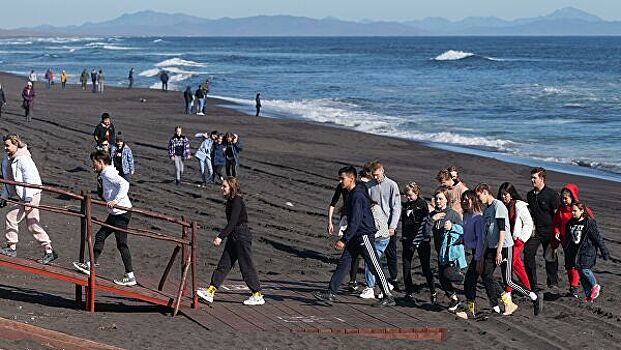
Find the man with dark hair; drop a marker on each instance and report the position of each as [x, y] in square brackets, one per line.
[386, 193]
[542, 203]
[115, 190]
[358, 238]
[105, 130]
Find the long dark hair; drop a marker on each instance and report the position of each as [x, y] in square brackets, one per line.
[585, 210]
[474, 200]
[235, 187]
[507, 187]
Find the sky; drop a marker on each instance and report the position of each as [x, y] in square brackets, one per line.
[14, 14]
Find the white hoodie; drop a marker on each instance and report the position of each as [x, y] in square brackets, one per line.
[20, 168]
[115, 188]
[523, 227]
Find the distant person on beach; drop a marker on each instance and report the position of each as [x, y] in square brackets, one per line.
[358, 239]
[521, 225]
[17, 165]
[233, 147]
[28, 99]
[130, 77]
[2, 99]
[122, 157]
[164, 79]
[105, 130]
[178, 151]
[32, 77]
[583, 241]
[203, 155]
[386, 193]
[63, 79]
[499, 253]
[569, 195]
[115, 190]
[94, 80]
[414, 239]
[238, 246]
[188, 97]
[200, 100]
[219, 159]
[84, 79]
[257, 102]
[542, 203]
[205, 88]
[49, 77]
[100, 81]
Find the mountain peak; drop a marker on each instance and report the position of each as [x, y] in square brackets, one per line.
[573, 13]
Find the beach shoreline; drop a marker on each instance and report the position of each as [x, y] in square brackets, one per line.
[288, 173]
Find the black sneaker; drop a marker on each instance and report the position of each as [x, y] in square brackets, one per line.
[351, 287]
[395, 285]
[433, 298]
[409, 299]
[573, 292]
[538, 304]
[325, 296]
[453, 305]
[48, 258]
[387, 301]
[11, 253]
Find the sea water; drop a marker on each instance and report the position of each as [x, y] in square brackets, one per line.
[552, 101]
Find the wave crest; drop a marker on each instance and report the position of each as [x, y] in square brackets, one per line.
[179, 62]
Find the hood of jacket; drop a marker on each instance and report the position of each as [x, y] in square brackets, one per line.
[21, 152]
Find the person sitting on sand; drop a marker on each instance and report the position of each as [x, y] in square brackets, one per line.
[17, 165]
[178, 151]
[238, 246]
[115, 190]
[104, 130]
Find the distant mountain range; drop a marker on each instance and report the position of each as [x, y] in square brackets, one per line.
[566, 21]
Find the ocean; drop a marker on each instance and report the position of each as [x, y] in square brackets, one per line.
[550, 101]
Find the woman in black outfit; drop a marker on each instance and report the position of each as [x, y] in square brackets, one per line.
[238, 246]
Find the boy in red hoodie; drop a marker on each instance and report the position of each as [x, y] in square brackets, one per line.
[569, 195]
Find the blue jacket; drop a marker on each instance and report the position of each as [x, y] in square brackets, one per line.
[360, 220]
[456, 253]
[127, 158]
[204, 150]
[218, 157]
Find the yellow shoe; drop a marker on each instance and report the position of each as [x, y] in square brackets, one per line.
[510, 308]
[207, 294]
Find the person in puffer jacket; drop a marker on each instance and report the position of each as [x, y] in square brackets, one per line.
[569, 196]
[521, 224]
[583, 240]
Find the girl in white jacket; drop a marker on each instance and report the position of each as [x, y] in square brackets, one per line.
[17, 165]
[521, 225]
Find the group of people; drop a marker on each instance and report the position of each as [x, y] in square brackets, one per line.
[196, 101]
[493, 227]
[97, 79]
[217, 155]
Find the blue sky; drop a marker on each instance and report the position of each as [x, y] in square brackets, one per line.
[65, 12]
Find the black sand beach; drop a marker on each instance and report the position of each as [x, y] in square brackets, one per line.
[283, 161]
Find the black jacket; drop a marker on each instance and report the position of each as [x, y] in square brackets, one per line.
[100, 133]
[542, 206]
[583, 240]
[413, 213]
[360, 220]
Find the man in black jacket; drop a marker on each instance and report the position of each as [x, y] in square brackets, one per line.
[105, 130]
[358, 238]
[542, 203]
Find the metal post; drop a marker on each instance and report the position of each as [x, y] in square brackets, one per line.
[78, 288]
[184, 250]
[89, 235]
[195, 304]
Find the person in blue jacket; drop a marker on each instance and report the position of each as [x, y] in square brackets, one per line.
[358, 239]
[203, 155]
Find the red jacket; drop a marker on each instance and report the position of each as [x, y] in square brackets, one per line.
[563, 215]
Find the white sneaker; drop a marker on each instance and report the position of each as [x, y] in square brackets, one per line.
[85, 267]
[255, 299]
[367, 293]
[126, 281]
[205, 294]
[200, 113]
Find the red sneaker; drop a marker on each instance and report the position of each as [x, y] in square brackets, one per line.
[595, 291]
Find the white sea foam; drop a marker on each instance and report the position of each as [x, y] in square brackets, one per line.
[453, 55]
[107, 46]
[173, 70]
[179, 62]
[157, 41]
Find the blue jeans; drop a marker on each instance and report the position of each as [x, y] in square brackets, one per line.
[201, 104]
[587, 279]
[206, 170]
[380, 247]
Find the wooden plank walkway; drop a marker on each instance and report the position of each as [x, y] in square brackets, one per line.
[290, 307]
